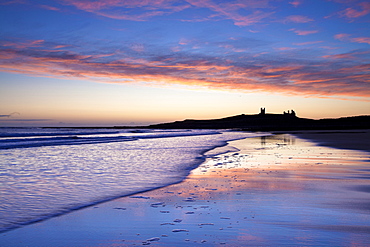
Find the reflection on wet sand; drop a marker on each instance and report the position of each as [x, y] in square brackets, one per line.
[281, 184]
[277, 190]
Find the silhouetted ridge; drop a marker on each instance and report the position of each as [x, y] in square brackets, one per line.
[267, 121]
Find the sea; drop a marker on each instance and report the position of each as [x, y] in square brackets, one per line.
[47, 172]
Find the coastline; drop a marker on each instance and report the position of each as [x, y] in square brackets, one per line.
[277, 190]
[76, 176]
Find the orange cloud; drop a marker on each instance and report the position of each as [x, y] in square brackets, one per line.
[275, 74]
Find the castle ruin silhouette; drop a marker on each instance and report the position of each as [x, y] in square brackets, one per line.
[288, 113]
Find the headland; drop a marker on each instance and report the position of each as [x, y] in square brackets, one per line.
[267, 122]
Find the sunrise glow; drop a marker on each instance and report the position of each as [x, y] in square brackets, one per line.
[116, 62]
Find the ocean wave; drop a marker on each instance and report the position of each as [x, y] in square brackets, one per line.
[32, 132]
[61, 175]
[39, 139]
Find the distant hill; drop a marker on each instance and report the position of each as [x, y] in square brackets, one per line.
[266, 122]
[269, 122]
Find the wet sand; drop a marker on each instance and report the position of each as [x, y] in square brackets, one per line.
[276, 191]
[344, 139]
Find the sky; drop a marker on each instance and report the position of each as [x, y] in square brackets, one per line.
[138, 62]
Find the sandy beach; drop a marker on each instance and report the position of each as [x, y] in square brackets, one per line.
[277, 190]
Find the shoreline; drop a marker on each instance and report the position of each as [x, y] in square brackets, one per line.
[172, 173]
[277, 190]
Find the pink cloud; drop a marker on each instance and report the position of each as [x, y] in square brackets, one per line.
[297, 19]
[184, 41]
[353, 56]
[303, 32]
[285, 48]
[361, 40]
[13, 2]
[135, 10]
[347, 37]
[24, 44]
[232, 48]
[296, 3]
[339, 56]
[49, 8]
[344, 1]
[342, 36]
[354, 13]
[329, 47]
[136, 17]
[107, 4]
[60, 46]
[230, 10]
[309, 43]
